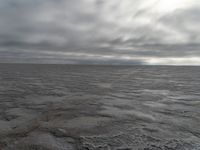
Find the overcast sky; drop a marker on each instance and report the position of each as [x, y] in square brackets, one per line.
[165, 32]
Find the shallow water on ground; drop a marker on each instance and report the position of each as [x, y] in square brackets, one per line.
[66, 107]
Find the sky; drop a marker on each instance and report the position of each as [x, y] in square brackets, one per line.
[149, 32]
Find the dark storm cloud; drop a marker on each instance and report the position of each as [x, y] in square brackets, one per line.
[99, 31]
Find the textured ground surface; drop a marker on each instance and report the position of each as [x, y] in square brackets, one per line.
[60, 107]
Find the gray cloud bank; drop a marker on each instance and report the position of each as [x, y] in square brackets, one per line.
[100, 31]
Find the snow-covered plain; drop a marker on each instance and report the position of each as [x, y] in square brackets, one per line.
[69, 107]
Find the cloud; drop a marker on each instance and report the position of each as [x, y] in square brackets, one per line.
[99, 31]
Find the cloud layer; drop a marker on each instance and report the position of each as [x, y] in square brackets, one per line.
[100, 31]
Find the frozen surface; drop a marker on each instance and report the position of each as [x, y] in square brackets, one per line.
[63, 107]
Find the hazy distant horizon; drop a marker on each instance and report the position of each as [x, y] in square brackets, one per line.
[98, 64]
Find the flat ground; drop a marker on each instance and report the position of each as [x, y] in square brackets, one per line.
[63, 107]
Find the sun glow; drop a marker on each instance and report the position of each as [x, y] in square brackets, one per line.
[170, 5]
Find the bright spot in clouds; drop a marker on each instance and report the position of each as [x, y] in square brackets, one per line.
[170, 5]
